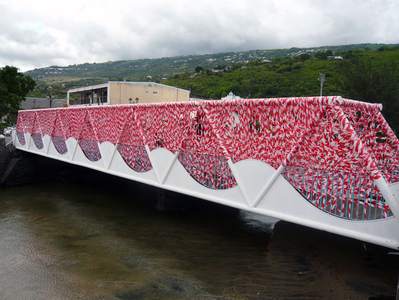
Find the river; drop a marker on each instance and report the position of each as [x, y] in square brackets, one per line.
[107, 239]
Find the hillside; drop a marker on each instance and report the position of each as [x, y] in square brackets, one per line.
[368, 75]
[279, 78]
[164, 68]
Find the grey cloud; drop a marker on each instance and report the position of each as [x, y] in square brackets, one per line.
[48, 32]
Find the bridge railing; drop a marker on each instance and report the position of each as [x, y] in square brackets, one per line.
[333, 151]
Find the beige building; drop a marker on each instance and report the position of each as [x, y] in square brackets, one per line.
[125, 92]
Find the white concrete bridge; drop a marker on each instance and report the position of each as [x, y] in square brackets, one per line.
[327, 163]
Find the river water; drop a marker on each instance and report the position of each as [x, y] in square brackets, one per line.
[65, 239]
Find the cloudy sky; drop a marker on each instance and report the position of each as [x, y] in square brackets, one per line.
[50, 32]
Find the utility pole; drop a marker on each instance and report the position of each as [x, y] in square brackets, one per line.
[322, 79]
[50, 97]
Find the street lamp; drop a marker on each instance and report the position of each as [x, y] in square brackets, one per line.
[322, 79]
[50, 97]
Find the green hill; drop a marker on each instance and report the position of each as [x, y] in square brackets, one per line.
[367, 72]
[368, 75]
[165, 68]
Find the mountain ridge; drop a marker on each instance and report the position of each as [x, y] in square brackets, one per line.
[165, 67]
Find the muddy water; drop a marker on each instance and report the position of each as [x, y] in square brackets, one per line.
[63, 240]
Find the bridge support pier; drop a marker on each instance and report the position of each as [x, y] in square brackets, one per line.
[170, 201]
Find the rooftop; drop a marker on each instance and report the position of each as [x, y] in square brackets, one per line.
[103, 85]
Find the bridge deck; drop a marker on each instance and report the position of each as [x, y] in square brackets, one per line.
[324, 162]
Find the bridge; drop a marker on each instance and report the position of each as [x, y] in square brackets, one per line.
[324, 162]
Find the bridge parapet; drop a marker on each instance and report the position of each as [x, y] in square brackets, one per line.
[338, 155]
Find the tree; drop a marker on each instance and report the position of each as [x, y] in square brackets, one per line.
[199, 69]
[14, 86]
[304, 57]
[368, 80]
[323, 54]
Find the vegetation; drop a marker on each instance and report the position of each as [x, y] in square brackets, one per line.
[14, 86]
[368, 75]
[367, 72]
[62, 78]
[374, 77]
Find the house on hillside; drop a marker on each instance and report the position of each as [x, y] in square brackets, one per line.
[126, 92]
[333, 57]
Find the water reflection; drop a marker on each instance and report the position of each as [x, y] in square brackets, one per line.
[68, 241]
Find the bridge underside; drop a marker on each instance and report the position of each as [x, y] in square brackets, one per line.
[326, 163]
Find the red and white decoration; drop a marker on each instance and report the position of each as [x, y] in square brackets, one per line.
[331, 150]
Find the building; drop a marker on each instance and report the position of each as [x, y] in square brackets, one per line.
[125, 92]
[332, 57]
[38, 103]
